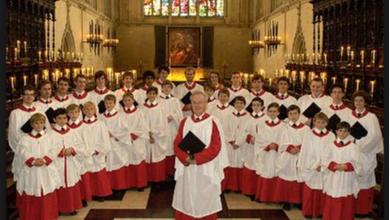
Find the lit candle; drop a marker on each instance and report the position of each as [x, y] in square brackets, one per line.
[25, 46]
[303, 57]
[334, 79]
[362, 56]
[24, 80]
[325, 58]
[373, 52]
[16, 54]
[312, 75]
[352, 56]
[57, 75]
[12, 82]
[313, 58]
[341, 53]
[246, 75]
[324, 77]
[18, 44]
[198, 62]
[63, 55]
[45, 54]
[345, 83]
[36, 79]
[72, 55]
[39, 55]
[372, 83]
[270, 82]
[302, 76]
[348, 50]
[82, 56]
[293, 75]
[67, 73]
[298, 60]
[357, 84]
[117, 78]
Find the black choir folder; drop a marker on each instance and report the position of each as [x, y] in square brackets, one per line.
[358, 131]
[102, 107]
[283, 112]
[186, 99]
[312, 110]
[27, 128]
[191, 144]
[333, 121]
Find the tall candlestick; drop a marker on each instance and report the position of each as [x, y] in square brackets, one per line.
[324, 78]
[357, 84]
[16, 54]
[345, 84]
[362, 56]
[313, 58]
[117, 78]
[270, 82]
[45, 55]
[352, 56]
[372, 83]
[24, 80]
[25, 47]
[18, 44]
[36, 79]
[72, 55]
[39, 55]
[341, 53]
[373, 52]
[325, 58]
[12, 82]
[67, 73]
[302, 76]
[334, 79]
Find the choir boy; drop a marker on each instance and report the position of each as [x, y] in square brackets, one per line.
[157, 145]
[134, 119]
[163, 72]
[97, 95]
[258, 91]
[341, 163]
[19, 124]
[249, 177]
[283, 98]
[336, 111]
[221, 108]
[183, 91]
[128, 87]
[148, 78]
[313, 103]
[171, 107]
[39, 177]
[44, 103]
[309, 165]
[120, 139]
[79, 96]
[266, 152]
[367, 135]
[209, 89]
[236, 88]
[68, 164]
[62, 99]
[289, 182]
[235, 125]
[74, 113]
[96, 137]
[215, 80]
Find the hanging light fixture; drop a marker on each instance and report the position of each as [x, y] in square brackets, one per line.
[94, 38]
[111, 42]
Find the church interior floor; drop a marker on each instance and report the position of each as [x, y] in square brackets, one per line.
[155, 204]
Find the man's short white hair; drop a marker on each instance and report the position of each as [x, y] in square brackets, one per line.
[199, 93]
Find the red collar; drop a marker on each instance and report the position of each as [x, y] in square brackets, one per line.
[75, 95]
[322, 95]
[50, 101]
[86, 122]
[56, 97]
[125, 90]
[273, 125]
[190, 87]
[363, 114]
[145, 87]
[129, 111]
[260, 116]
[211, 99]
[339, 145]
[238, 89]
[31, 135]
[158, 81]
[341, 107]
[319, 134]
[61, 132]
[222, 108]
[74, 126]
[149, 106]
[239, 115]
[260, 94]
[205, 116]
[301, 125]
[280, 98]
[109, 116]
[27, 110]
[101, 93]
[218, 87]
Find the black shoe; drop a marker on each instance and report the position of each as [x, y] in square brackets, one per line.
[287, 206]
[73, 213]
[85, 203]
[308, 217]
[99, 199]
[360, 216]
[298, 206]
[227, 191]
[141, 189]
[61, 214]
[252, 197]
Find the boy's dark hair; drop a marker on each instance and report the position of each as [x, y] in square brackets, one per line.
[163, 67]
[148, 73]
[239, 98]
[63, 79]
[99, 74]
[342, 125]
[293, 108]
[128, 73]
[167, 83]
[258, 77]
[209, 86]
[273, 105]
[216, 73]
[318, 80]
[152, 89]
[361, 93]
[80, 76]
[59, 111]
[224, 91]
[27, 87]
[233, 73]
[43, 83]
[284, 79]
[334, 86]
[258, 99]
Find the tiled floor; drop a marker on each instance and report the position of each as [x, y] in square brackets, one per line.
[155, 204]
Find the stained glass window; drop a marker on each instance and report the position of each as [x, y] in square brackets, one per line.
[204, 8]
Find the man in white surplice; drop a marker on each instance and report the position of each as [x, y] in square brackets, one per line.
[198, 180]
